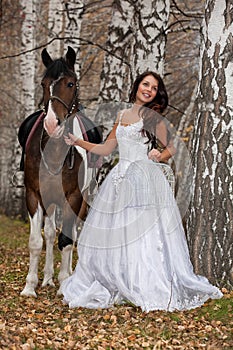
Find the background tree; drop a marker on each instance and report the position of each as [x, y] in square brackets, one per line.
[181, 79]
[210, 224]
[115, 40]
[11, 107]
[136, 42]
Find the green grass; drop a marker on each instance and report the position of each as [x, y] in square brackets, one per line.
[13, 232]
[218, 310]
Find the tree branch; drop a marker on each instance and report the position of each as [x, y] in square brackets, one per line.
[184, 29]
[177, 22]
[89, 42]
[191, 15]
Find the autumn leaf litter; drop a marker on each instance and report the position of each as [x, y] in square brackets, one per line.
[46, 323]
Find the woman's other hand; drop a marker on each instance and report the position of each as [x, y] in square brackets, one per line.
[154, 155]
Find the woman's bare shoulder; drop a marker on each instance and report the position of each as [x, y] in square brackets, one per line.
[120, 114]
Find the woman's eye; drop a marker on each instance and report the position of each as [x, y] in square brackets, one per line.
[70, 85]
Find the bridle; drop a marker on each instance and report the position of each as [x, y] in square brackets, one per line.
[70, 108]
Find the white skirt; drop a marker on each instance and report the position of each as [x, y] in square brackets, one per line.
[132, 247]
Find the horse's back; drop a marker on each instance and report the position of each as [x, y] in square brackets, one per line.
[26, 127]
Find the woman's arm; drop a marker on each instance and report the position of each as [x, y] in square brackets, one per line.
[103, 149]
[167, 153]
[169, 149]
[163, 156]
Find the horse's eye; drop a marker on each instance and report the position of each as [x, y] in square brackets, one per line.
[70, 85]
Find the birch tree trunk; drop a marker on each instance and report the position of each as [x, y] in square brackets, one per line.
[55, 26]
[26, 96]
[73, 12]
[210, 225]
[136, 43]
[29, 61]
[13, 104]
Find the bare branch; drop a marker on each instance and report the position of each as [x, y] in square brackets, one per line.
[190, 14]
[184, 29]
[89, 42]
[176, 109]
[176, 22]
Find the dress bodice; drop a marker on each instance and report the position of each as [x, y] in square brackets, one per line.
[131, 142]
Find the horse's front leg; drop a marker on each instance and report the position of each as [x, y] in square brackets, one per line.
[35, 246]
[50, 235]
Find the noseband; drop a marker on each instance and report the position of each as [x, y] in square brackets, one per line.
[52, 98]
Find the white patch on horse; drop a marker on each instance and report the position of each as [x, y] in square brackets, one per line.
[35, 246]
[67, 257]
[50, 235]
[51, 123]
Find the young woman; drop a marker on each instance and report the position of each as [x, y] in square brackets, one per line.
[132, 246]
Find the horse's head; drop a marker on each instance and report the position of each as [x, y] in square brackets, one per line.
[59, 89]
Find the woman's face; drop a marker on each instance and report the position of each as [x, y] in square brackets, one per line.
[147, 90]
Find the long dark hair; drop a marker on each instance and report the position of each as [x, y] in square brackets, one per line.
[151, 112]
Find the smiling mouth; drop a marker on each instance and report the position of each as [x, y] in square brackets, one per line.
[147, 95]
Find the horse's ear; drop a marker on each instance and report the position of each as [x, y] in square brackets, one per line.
[70, 57]
[46, 59]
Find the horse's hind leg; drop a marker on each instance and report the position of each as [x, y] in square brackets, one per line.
[50, 235]
[66, 241]
[35, 246]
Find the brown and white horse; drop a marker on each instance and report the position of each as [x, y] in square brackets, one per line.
[53, 172]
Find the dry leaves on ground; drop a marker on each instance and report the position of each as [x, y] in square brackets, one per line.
[45, 323]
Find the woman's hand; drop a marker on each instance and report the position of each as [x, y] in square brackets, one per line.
[71, 140]
[154, 155]
[102, 149]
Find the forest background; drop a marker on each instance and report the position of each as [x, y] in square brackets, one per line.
[189, 43]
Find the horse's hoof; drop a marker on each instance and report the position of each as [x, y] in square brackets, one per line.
[48, 282]
[28, 293]
[59, 292]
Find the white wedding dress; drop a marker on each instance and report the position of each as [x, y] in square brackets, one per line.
[132, 247]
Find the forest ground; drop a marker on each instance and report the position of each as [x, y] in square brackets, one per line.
[46, 323]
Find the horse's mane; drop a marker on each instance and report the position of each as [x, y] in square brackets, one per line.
[55, 70]
[58, 67]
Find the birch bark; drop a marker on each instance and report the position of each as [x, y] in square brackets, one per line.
[21, 37]
[55, 26]
[136, 43]
[64, 21]
[210, 225]
[73, 13]
[28, 60]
